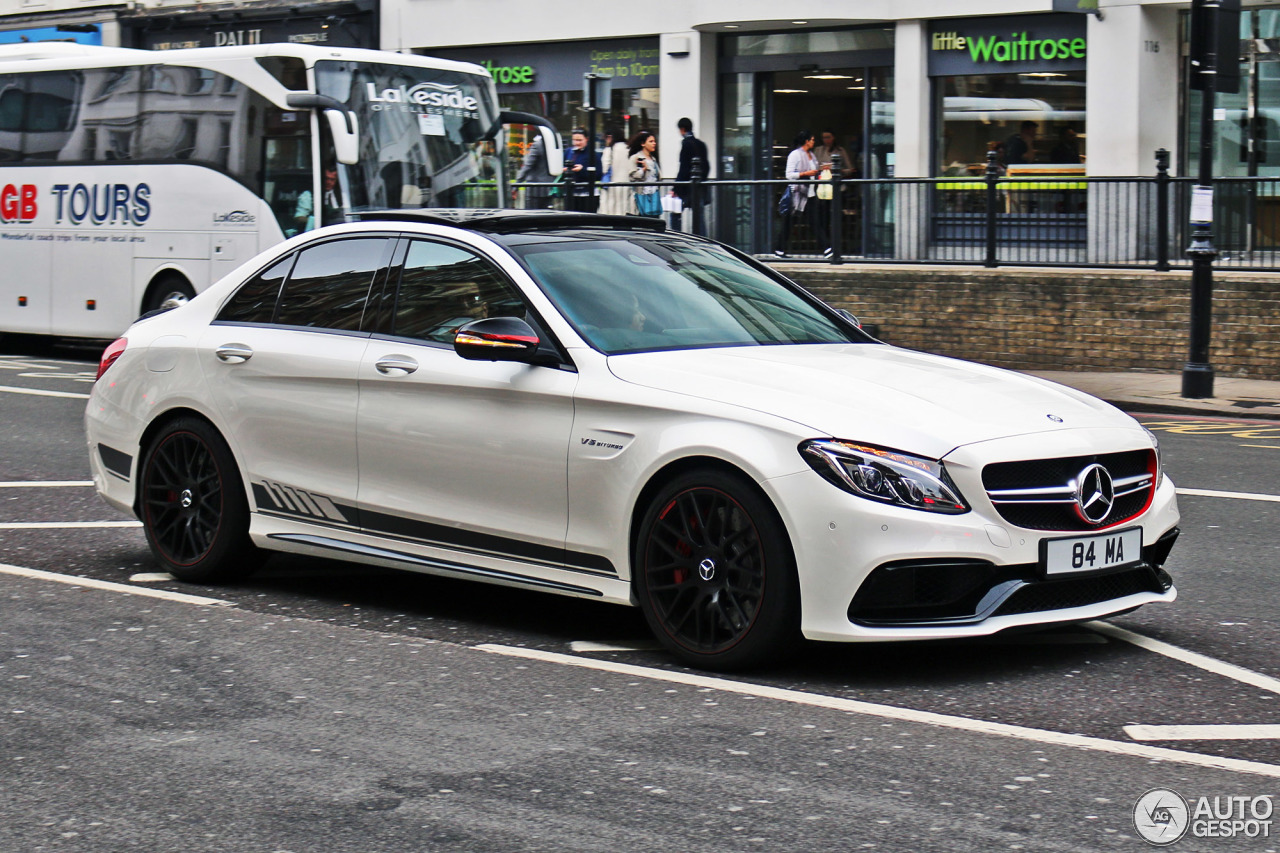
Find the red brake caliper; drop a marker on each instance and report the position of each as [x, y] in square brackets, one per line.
[684, 548]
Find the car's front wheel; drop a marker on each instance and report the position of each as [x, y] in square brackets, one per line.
[715, 574]
[193, 505]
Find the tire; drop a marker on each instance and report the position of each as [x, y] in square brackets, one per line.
[169, 289]
[193, 506]
[715, 574]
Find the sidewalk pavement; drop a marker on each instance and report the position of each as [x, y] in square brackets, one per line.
[1162, 392]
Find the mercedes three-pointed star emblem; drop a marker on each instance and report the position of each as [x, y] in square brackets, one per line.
[1095, 493]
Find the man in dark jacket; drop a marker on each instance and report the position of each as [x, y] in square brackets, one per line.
[691, 147]
[581, 174]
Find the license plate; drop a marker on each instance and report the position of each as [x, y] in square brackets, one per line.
[1091, 553]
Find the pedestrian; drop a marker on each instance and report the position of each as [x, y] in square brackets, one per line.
[534, 169]
[1068, 148]
[691, 149]
[825, 153]
[581, 173]
[615, 195]
[643, 160]
[1020, 148]
[802, 167]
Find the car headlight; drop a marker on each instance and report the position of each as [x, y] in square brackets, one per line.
[1155, 442]
[888, 476]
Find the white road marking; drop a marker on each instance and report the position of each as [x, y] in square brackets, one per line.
[1080, 639]
[1244, 496]
[1083, 638]
[835, 703]
[45, 484]
[93, 583]
[151, 577]
[1220, 732]
[588, 646]
[91, 376]
[65, 525]
[1217, 667]
[41, 393]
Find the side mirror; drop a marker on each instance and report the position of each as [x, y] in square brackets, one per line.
[344, 127]
[553, 144]
[496, 339]
[343, 123]
[849, 316]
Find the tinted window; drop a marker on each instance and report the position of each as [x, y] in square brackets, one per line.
[330, 282]
[443, 287]
[255, 301]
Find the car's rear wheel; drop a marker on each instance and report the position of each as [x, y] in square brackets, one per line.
[193, 506]
[715, 574]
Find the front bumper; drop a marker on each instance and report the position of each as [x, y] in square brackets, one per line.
[844, 543]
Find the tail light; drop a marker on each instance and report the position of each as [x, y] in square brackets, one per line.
[110, 354]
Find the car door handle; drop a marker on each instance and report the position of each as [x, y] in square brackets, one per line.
[234, 353]
[396, 365]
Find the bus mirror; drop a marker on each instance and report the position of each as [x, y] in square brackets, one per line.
[551, 141]
[344, 127]
[554, 146]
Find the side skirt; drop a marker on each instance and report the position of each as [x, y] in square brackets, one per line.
[434, 565]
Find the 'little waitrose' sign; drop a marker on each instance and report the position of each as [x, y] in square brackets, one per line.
[1011, 44]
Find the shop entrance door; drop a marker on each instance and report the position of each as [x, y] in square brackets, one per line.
[761, 115]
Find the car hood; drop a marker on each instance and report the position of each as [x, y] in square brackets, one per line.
[873, 393]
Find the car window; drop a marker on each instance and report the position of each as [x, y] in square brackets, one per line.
[651, 293]
[255, 301]
[443, 287]
[330, 283]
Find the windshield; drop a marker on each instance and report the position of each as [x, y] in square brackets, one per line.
[421, 135]
[655, 293]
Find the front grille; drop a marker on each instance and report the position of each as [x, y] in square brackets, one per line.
[1039, 494]
[1079, 592]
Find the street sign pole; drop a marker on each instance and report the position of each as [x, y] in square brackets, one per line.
[1197, 375]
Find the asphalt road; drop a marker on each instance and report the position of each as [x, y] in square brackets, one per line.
[335, 707]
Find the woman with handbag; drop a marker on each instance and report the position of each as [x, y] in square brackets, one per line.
[643, 161]
[798, 198]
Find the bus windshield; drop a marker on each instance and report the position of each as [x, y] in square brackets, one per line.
[421, 135]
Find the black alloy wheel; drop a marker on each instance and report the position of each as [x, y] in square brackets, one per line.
[715, 573]
[193, 506]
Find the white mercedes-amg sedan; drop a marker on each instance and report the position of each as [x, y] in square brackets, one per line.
[590, 406]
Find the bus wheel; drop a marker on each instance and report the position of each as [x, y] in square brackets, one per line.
[170, 290]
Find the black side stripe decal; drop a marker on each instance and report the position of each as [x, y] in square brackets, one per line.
[443, 565]
[292, 502]
[425, 531]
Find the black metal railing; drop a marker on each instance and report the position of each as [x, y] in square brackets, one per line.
[989, 220]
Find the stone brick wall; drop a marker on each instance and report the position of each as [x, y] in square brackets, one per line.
[1057, 319]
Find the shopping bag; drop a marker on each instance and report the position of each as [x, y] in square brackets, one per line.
[647, 204]
[824, 190]
[672, 204]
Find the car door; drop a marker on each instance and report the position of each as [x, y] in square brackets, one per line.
[464, 455]
[282, 359]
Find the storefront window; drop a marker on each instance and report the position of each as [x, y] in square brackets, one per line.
[1242, 148]
[1030, 117]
